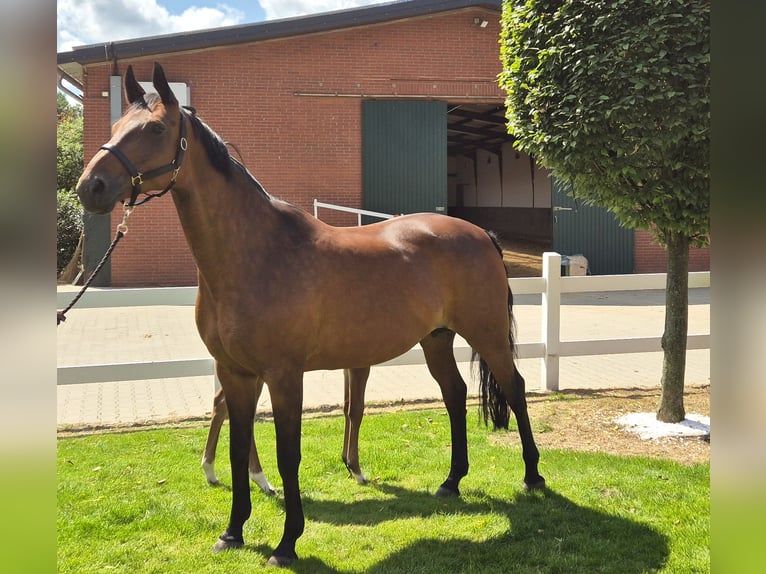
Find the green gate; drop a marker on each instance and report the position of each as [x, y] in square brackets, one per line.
[404, 156]
[590, 231]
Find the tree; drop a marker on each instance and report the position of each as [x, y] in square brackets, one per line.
[613, 97]
[69, 151]
[69, 164]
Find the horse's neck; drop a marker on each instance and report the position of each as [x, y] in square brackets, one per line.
[232, 225]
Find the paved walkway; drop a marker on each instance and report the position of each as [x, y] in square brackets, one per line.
[93, 336]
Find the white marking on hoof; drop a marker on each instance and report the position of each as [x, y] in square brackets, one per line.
[209, 469]
[259, 478]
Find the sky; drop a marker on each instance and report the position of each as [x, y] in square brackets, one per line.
[94, 21]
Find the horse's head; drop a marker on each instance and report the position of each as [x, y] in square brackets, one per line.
[144, 152]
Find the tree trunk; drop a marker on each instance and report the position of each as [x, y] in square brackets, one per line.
[671, 408]
[73, 268]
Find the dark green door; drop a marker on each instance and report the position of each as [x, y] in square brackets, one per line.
[590, 231]
[404, 156]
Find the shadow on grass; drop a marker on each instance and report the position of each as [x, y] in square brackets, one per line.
[309, 565]
[547, 533]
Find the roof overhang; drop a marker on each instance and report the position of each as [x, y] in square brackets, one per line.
[70, 63]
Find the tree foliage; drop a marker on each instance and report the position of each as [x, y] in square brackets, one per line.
[613, 97]
[69, 164]
[69, 149]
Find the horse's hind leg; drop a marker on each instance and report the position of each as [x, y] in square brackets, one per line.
[505, 385]
[220, 412]
[355, 382]
[437, 348]
[518, 403]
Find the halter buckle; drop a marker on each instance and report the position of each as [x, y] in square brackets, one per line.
[137, 179]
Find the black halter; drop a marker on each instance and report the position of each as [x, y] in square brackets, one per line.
[137, 178]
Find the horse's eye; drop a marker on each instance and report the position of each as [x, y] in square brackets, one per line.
[157, 127]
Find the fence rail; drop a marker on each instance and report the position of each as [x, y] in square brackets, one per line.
[359, 212]
[551, 285]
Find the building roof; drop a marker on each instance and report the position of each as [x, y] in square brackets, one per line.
[70, 63]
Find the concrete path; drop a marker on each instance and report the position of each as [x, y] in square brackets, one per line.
[96, 336]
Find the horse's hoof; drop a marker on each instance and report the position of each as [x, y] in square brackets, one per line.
[537, 484]
[281, 561]
[444, 492]
[209, 471]
[450, 487]
[260, 479]
[226, 542]
[267, 489]
[358, 476]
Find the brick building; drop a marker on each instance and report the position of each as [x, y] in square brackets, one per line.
[317, 106]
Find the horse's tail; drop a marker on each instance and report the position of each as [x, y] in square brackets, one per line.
[494, 405]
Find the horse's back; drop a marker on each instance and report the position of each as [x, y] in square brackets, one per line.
[429, 232]
[387, 285]
[456, 252]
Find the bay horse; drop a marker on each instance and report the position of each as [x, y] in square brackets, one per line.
[355, 382]
[281, 293]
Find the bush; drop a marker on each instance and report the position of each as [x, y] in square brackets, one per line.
[68, 227]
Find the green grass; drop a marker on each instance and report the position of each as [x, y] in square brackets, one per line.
[138, 502]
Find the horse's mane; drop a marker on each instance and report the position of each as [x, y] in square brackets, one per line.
[216, 149]
[214, 146]
[218, 152]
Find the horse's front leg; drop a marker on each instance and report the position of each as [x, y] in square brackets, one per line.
[240, 400]
[286, 390]
[355, 382]
[220, 412]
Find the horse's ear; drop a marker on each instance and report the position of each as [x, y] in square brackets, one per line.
[162, 86]
[133, 90]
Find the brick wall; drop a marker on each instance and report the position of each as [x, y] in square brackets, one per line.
[300, 147]
[649, 257]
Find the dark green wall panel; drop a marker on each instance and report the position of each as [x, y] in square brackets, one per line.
[404, 151]
[591, 231]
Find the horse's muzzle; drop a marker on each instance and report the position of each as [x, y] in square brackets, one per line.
[95, 196]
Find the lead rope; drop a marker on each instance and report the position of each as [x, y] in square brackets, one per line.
[122, 229]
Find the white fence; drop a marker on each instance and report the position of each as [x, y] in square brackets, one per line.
[551, 285]
[359, 212]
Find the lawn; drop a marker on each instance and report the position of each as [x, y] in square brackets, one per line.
[138, 502]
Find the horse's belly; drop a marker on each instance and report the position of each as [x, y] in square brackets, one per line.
[355, 356]
[365, 343]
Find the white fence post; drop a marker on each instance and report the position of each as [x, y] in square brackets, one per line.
[551, 327]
